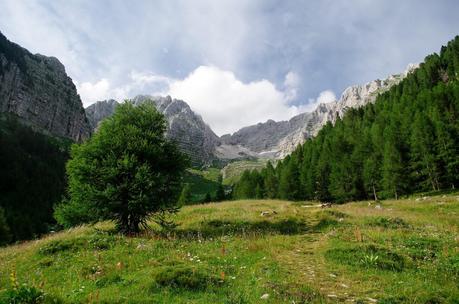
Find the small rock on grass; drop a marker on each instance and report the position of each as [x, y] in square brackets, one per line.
[265, 296]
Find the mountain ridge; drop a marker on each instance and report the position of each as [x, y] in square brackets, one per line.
[269, 140]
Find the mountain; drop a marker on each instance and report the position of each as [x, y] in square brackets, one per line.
[269, 140]
[185, 127]
[277, 139]
[404, 142]
[36, 89]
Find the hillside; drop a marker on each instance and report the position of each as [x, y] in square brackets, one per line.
[407, 141]
[32, 179]
[243, 251]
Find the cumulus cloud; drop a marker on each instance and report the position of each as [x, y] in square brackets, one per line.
[92, 92]
[227, 104]
[292, 83]
[324, 97]
[137, 83]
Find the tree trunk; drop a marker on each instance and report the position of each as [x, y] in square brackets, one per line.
[374, 192]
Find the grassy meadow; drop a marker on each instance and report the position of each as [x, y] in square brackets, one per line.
[254, 251]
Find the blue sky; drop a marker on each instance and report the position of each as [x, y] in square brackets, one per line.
[235, 62]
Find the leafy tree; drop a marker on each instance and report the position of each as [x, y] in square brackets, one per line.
[128, 170]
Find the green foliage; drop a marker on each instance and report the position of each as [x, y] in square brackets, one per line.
[185, 195]
[201, 182]
[207, 198]
[5, 234]
[32, 179]
[126, 172]
[220, 194]
[25, 295]
[186, 277]
[406, 142]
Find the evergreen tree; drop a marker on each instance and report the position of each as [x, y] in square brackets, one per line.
[185, 195]
[220, 194]
[270, 181]
[5, 234]
[128, 170]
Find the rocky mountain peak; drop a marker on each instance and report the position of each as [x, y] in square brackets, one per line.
[37, 90]
[185, 127]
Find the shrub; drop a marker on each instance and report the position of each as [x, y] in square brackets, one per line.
[25, 295]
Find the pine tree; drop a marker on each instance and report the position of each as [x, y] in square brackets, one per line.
[185, 195]
[270, 181]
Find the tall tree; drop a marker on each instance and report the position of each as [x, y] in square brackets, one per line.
[128, 170]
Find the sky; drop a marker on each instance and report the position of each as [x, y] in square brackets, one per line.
[235, 62]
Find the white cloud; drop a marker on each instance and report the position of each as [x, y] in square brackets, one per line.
[292, 83]
[91, 92]
[324, 97]
[227, 104]
[137, 83]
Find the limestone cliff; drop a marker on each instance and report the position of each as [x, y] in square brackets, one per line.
[37, 89]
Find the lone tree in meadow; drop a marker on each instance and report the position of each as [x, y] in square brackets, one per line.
[127, 172]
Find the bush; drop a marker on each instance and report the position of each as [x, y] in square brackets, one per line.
[25, 295]
[28, 295]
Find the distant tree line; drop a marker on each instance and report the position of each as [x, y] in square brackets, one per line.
[406, 142]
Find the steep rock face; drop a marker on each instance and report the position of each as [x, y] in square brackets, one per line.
[185, 127]
[278, 139]
[99, 111]
[37, 89]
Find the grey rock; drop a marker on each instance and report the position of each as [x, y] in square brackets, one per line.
[185, 127]
[37, 90]
[277, 139]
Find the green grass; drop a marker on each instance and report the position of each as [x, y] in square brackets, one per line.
[233, 171]
[202, 182]
[407, 251]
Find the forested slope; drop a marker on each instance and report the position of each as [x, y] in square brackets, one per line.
[32, 179]
[406, 142]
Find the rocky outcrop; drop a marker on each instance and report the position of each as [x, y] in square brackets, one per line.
[38, 91]
[185, 127]
[278, 139]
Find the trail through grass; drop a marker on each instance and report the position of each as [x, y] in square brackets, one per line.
[254, 251]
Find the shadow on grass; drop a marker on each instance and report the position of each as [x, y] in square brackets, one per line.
[217, 228]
